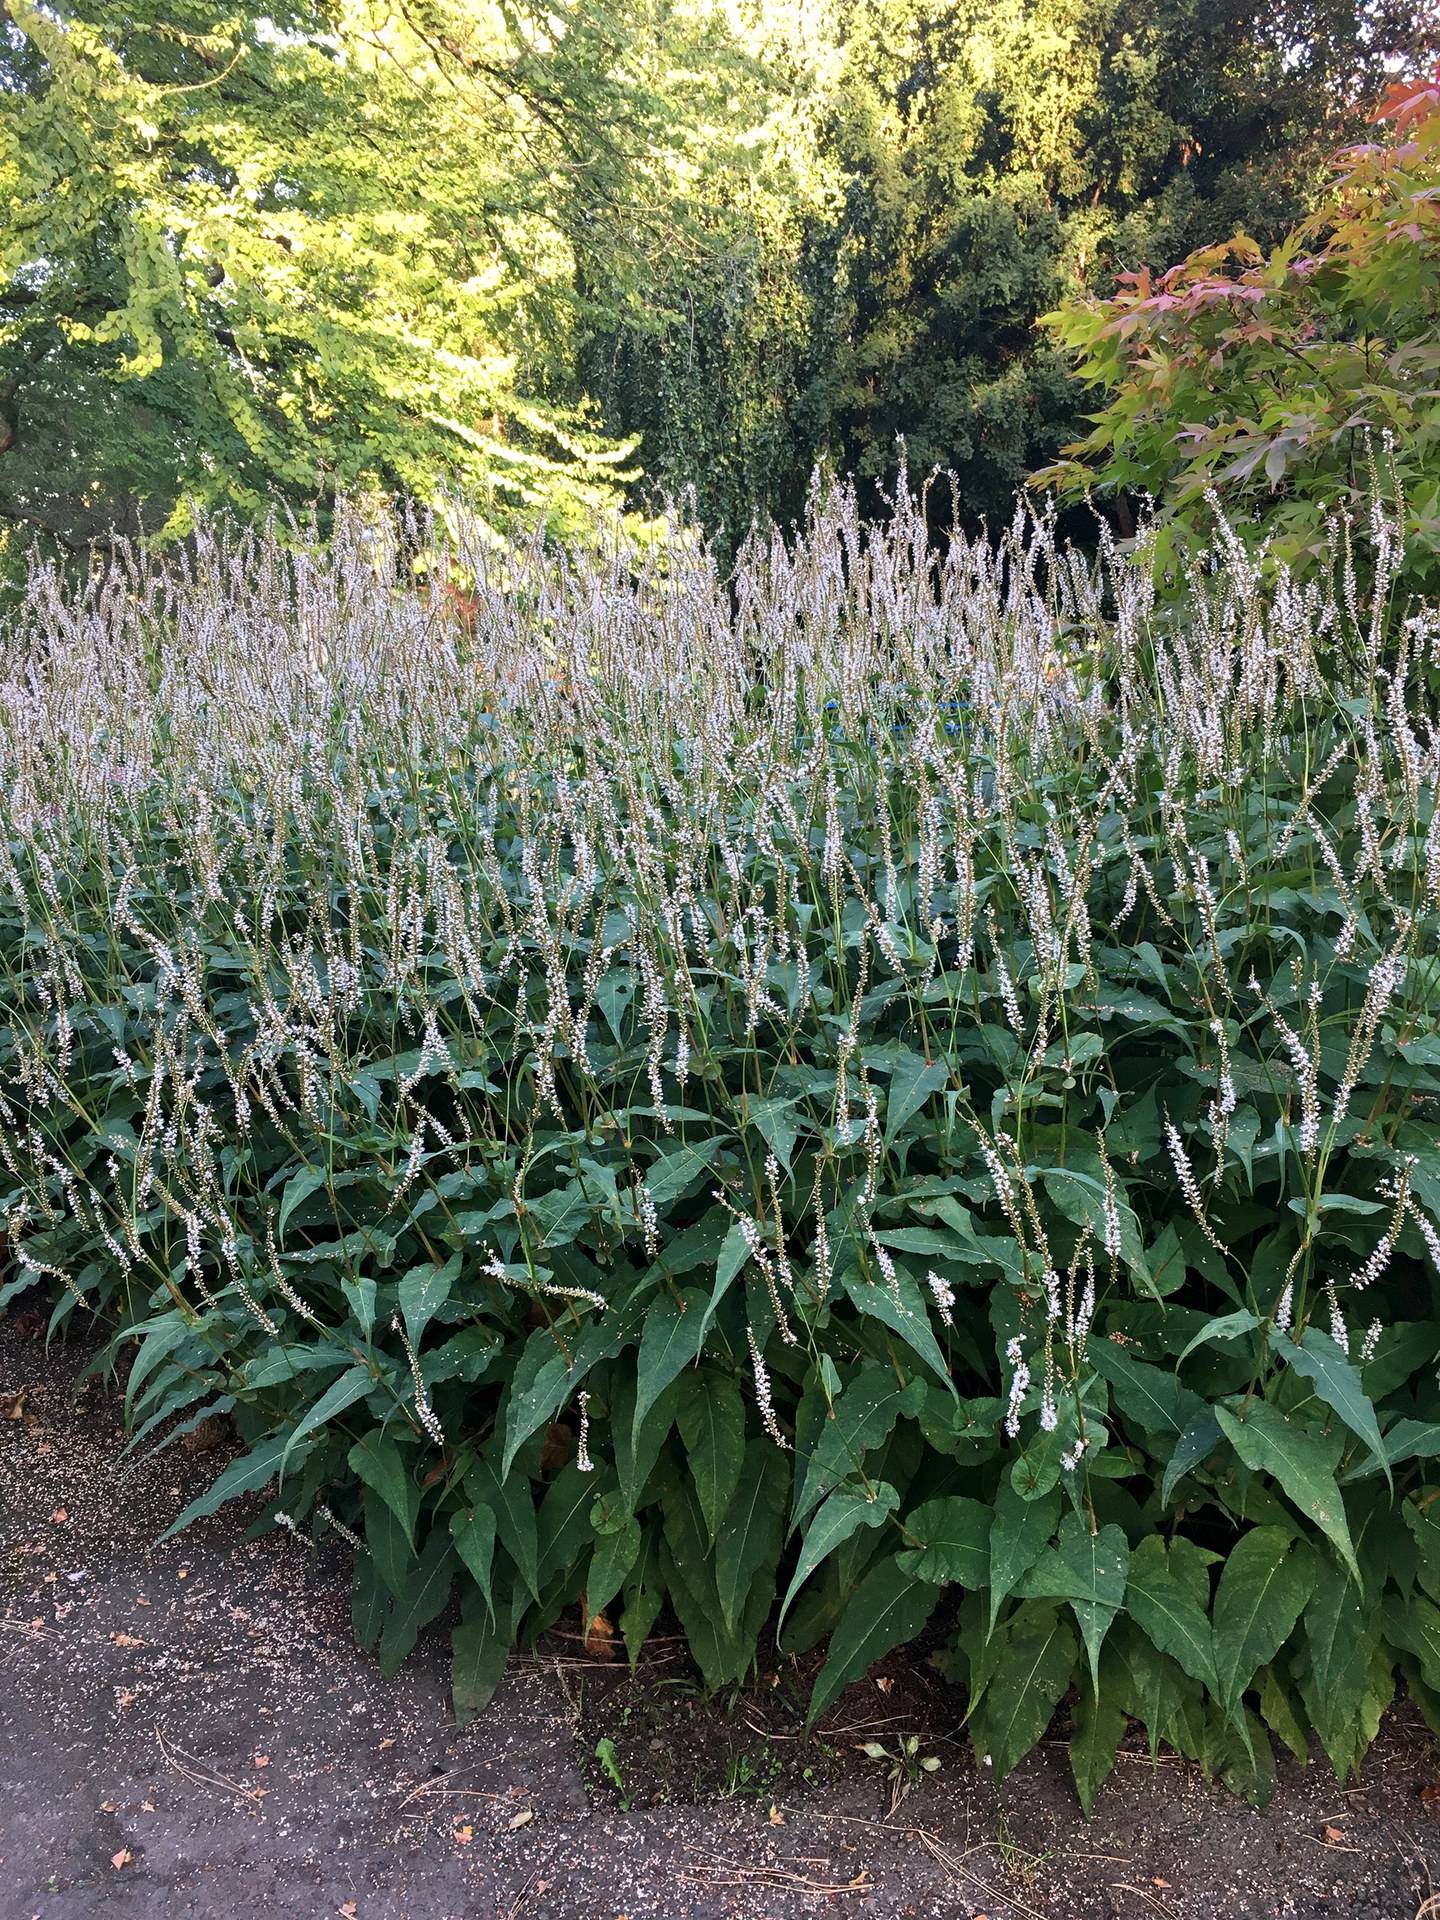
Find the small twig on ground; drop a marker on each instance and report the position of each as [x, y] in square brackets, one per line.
[193, 1769]
[776, 1877]
[1124, 1886]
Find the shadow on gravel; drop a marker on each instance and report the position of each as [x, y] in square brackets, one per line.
[187, 1729]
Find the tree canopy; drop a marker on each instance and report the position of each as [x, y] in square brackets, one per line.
[566, 254]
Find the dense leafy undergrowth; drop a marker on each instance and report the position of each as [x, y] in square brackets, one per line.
[874, 1090]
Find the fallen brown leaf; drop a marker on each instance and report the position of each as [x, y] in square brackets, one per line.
[464, 1835]
[522, 1819]
[777, 1819]
[121, 1859]
[262, 1760]
[59, 1517]
[125, 1640]
[349, 1909]
[1334, 1833]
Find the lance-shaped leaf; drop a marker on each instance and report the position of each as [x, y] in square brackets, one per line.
[887, 1607]
[1268, 1577]
[671, 1340]
[1320, 1361]
[844, 1513]
[1169, 1604]
[1300, 1459]
[1089, 1570]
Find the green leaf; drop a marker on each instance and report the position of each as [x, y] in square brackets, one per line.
[339, 1395]
[644, 1591]
[1225, 1328]
[843, 1514]
[513, 1506]
[955, 1532]
[887, 1607]
[711, 1419]
[1089, 1570]
[1019, 1534]
[777, 1128]
[1268, 1577]
[1300, 1460]
[388, 1544]
[1196, 1443]
[1033, 1669]
[249, 1474]
[1277, 1710]
[1338, 1383]
[751, 1531]
[424, 1597]
[1099, 1728]
[478, 1653]
[670, 1342]
[901, 1309]
[610, 1565]
[675, 1172]
[1150, 1396]
[298, 1188]
[860, 1418]
[734, 1252]
[1171, 1608]
[376, 1460]
[423, 1291]
[473, 1531]
[912, 1081]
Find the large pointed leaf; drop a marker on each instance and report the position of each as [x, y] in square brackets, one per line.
[901, 1309]
[1300, 1459]
[671, 1340]
[423, 1291]
[750, 1532]
[1089, 1570]
[844, 1513]
[1167, 1607]
[1268, 1577]
[1019, 1534]
[912, 1081]
[887, 1607]
[473, 1531]
[478, 1653]
[254, 1470]
[676, 1171]
[711, 1419]
[1033, 1670]
[423, 1599]
[339, 1395]
[1320, 1361]
[1340, 1640]
[861, 1417]
[378, 1462]
[1150, 1396]
[513, 1506]
[1196, 1443]
[1100, 1723]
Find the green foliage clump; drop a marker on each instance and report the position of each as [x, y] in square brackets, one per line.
[319, 248]
[931, 179]
[1292, 387]
[861, 1097]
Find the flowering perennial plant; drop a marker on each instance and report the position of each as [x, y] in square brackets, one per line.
[881, 1086]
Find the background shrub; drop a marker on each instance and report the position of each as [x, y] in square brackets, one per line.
[874, 1090]
[1295, 385]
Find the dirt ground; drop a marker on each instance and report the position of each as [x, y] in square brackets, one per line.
[187, 1729]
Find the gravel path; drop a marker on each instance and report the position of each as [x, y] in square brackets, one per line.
[187, 1729]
